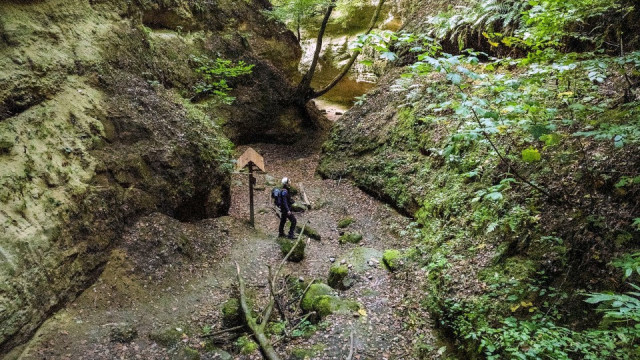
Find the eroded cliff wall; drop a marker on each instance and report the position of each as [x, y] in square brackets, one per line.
[98, 127]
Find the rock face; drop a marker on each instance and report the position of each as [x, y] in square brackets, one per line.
[97, 128]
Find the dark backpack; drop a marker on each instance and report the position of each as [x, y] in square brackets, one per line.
[276, 196]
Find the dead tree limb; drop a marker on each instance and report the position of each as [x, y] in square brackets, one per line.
[350, 356]
[223, 331]
[259, 328]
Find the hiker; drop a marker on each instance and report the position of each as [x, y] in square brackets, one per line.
[285, 209]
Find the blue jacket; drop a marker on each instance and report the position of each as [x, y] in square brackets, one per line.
[285, 201]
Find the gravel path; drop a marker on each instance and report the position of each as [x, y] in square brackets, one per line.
[173, 275]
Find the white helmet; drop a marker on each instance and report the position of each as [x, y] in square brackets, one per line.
[285, 181]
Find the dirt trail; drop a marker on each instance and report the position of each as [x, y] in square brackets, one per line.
[171, 275]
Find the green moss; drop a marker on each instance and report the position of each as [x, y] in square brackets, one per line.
[246, 345]
[302, 353]
[286, 245]
[309, 231]
[231, 313]
[343, 223]
[314, 292]
[350, 237]
[392, 259]
[188, 353]
[337, 274]
[167, 337]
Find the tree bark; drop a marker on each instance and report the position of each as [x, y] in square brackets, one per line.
[305, 83]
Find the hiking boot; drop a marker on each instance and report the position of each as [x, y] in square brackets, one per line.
[291, 236]
[282, 235]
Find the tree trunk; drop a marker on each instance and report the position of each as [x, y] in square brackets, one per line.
[352, 60]
[305, 83]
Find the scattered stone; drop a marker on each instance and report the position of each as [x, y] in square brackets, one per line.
[343, 261]
[219, 354]
[350, 266]
[298, 207]
[301, 279]
[123, 333]
[332, 259]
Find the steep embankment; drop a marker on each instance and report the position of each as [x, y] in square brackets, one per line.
[512, 239]
[97, 128]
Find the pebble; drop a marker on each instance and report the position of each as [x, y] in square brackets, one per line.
[332, 259]
[349, 266]
[301, 279]
[344, 261]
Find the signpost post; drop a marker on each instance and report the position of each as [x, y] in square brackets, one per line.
[249, 159]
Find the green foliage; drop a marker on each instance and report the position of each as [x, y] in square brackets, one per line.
[530, 155]
[392, 259]
[350, 237]
[214, 76]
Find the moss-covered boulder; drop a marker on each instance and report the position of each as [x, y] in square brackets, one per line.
[345, 222]
[315, 291]
[287, 244]
[123, 333]
[187, 353]
[166, 337]
[231, 313]
[350, 237]
[392, 259]
[309, 231]
[337, 276]
[321, 299]
[246, 345]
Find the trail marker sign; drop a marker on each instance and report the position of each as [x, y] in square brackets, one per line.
[249, 159]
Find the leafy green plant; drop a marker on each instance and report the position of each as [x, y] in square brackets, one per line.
[214, 75]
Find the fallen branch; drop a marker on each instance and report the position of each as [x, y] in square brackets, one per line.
[258, 329]
[350, 356]
[223, 331]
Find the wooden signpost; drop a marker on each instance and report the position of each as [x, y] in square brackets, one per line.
[249, 159]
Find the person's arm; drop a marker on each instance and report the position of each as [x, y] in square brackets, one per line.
[285, 200]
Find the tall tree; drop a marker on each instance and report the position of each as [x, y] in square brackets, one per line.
[295, 11]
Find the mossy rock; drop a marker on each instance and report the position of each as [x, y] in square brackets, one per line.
[392, 259]
[302, 353]
[298, 207]
[285, 246]
[219, 354]
[309, 231]
[167, 337]
[231, 313]
[330, 304]
[337, 275]
[188, 353]
[345, 222]
[350, 237]
[123, 333]
[246, 345]
[314, 292]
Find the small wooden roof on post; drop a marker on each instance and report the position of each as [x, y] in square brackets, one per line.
[250, 157]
